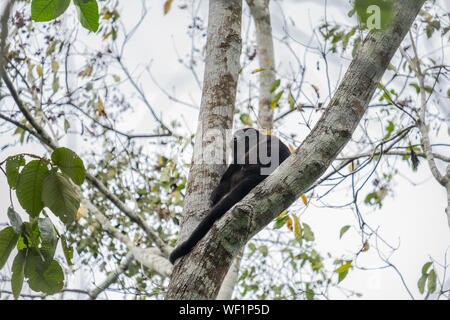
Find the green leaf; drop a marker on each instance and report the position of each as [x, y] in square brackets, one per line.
[416, 86]
[308, 235]
[70, 164]
[245, 119]
[68, 251]
[8, 240]
[279, 222]
[29, 187]
[264, 251]
[12, 169]
[47, 231]
[18, 273]
[390, 128]
[49, 280]
[343, 230]
[60, 197]
[309, 293]
[344, 267]
[342, 275]
[66, 125]
[421, 283]
[291, 101]
[16, 221]
[274, 85]
[46, 10]
[275, 99]
[431, 281]
[425, 267]
[88, 14]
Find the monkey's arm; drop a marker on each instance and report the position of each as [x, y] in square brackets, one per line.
[237, 193]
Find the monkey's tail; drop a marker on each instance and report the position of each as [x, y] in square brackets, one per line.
[229, 200]
[200, 231]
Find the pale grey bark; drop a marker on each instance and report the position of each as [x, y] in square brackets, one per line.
[261, 15]
[222, 65]
[443, 179]
[203, 273]
[223, 50]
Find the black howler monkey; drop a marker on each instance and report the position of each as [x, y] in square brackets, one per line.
[255, 156]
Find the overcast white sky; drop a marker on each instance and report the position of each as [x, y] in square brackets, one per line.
[412, 218]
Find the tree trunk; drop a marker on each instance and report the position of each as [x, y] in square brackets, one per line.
[223, 50]
[203, 273]
[261, 15]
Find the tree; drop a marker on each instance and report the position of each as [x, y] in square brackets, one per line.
[133, 196]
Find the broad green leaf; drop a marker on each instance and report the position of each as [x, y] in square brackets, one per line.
[344, 267]
[49, 281]
[245, 119]
[29, 187]
[416, 86]
[309, 293]
[342, 275]
[264, 251]
[47, 231]
[12, 169]
[40, 71]
[421, 283]
[431, 281]
[343, 230]
[308, 235]
[70, 164]
[280, 221]
[252, 246]
[32, 232]
[60, 197]
[18, 273]
[16, 221]
[8, 240]
[275, 100]
[88, 14]
[274, 85]
[46, 10]
[425, 267]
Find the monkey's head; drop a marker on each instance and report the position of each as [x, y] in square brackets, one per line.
[243, 140]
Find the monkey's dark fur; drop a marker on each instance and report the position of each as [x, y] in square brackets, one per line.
[252, 163]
